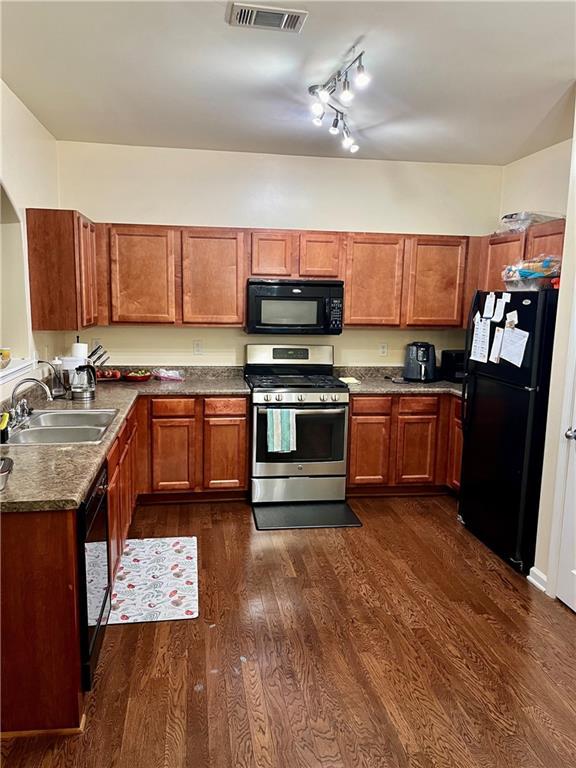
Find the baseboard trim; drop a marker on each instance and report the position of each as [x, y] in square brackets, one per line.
[537, 578]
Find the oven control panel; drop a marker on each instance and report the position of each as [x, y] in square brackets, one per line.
[301, 398]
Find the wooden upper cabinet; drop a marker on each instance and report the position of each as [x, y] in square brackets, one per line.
[321, 254]
[545, 239]
[87, 271]
[62, 270]
[374, 269]
[142, 274]
[274, 253]
[434, 280]
[501, 250]
[213, 276]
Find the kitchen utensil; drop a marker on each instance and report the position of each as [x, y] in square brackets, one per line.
[420, 363]
[83, 383]
[95, 351]
[103, 361]
[98, 359]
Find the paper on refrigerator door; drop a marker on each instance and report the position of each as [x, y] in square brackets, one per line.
[511, 318]
[499, 311]
[476, 317]
[505, 297]
[514, 343]
[489, 305]
[496, 345]
[480, 341]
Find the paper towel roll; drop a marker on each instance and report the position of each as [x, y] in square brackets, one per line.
[79, 350]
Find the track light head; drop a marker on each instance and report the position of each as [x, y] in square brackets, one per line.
[323, 94]
[362, 77]
[354, 148]
[317, 108]
[317, 120]
[335, 127]
[347, 93]
[347, 141]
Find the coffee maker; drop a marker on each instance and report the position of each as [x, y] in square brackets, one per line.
[420, 362]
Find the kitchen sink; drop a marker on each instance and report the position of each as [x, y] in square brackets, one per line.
[86, 418]
[43, 435]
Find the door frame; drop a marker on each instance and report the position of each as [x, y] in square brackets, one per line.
[567, 416]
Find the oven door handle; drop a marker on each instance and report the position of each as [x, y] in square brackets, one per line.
[308, 411]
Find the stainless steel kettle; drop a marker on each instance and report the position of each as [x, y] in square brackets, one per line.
[420, 362]
[83, 383]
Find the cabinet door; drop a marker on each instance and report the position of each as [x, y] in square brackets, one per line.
[173, 454]
[321, 254]
[213, 270]
[502, 250]
[225, 451]
[142, 283]
[274, 253]
[126, 485]
[455, 454]
[369, 450]
[374, 268]
[547, 238]
[416, 448]
[114, 550]
[88, 287]
[434, 281]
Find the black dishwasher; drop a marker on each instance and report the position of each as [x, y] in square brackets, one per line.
[93, 575]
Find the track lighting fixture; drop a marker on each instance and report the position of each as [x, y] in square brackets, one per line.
[336, 93]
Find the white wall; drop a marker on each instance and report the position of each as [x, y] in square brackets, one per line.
[555, 428]
[198, 187]
[225, 346]
[29, 174]
[538, 182]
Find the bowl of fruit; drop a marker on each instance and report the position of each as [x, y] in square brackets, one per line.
[139, 375]
[108, 374]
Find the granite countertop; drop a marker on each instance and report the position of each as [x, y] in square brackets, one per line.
[378, 381]
[52, 477]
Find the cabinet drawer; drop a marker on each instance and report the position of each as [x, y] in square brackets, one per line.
[173, 406]
[225, 406]
[372, 405]
[414, 404]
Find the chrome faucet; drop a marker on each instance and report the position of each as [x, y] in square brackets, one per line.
[20, 409]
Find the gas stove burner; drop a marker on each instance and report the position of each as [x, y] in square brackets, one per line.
[280, 381]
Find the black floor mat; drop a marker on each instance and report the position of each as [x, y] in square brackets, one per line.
[325, 514]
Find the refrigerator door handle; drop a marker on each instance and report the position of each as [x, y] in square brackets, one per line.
[570, 433]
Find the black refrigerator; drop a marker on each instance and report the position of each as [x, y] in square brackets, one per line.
[504, 423]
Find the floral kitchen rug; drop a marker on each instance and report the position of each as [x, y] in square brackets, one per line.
[157, 580]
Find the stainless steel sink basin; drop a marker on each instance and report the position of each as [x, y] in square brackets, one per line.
[93, 418]
[43, 435]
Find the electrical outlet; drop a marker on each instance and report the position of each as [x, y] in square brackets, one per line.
[197, 347]
[384, 350]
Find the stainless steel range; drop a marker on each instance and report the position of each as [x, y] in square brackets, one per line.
[298, 378]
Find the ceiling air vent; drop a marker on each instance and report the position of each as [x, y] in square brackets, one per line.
[265, 17]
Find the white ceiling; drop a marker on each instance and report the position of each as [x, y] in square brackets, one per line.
[470, 82]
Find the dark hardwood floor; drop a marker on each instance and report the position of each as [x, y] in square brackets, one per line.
[403, 643]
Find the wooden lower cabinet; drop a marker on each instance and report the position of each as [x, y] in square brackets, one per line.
[416, 448]
[199, 444]
[398, 441]
[225, 453]
[173, 454]
[455, 444]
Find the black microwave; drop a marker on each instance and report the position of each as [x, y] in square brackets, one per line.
[295, 306]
